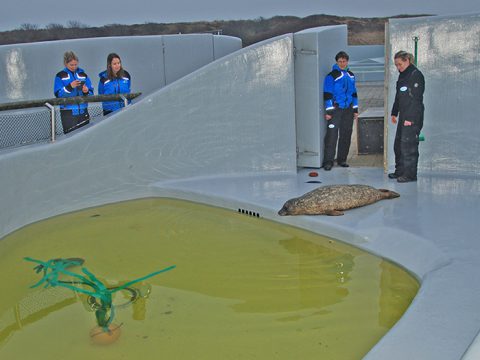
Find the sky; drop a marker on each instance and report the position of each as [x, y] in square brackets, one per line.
[14, 13]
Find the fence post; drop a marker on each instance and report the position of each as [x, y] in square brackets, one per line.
[52, 120]
[125, 101]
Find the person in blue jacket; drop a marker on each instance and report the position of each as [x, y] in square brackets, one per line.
[409, 103]
[114, 80]
[341, 107]
[72, 81]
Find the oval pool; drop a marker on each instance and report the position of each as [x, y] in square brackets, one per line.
[243, 287]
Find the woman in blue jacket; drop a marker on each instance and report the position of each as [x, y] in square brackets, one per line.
[72, 81]
[114, 80]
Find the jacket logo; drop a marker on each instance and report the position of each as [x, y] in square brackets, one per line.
[403, 88]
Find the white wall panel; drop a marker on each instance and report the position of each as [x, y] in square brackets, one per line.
[183, 57]
[315, 51]
[448, 56]
[224, 45]
[27, 71]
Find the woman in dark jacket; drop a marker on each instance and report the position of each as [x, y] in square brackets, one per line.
[72, 81]
[409, 103]
[114, 80]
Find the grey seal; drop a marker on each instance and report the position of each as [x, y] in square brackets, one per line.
[333, 199]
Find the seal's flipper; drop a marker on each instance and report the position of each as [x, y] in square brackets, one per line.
[334, 213]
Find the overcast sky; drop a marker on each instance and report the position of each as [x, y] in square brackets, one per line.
[100, 12]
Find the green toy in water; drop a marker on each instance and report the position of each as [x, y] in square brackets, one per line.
[100, 294]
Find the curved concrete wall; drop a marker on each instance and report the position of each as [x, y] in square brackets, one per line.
[28, 70]
[235, 115]
[448, 57]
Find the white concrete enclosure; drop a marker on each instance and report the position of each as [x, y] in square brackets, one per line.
[226, 135]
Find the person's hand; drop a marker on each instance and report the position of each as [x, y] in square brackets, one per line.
[75, 83]
[355, 116]
[407, 123]
[85, 89]
[328, 117]
[394, 119]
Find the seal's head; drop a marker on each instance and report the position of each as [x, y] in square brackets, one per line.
[389, 194]
[288, 208]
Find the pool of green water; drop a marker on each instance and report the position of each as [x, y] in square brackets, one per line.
[243, 287]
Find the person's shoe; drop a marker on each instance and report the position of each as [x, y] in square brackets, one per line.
[393, 175]
[343, 164]
[404, 179]
[327, 167]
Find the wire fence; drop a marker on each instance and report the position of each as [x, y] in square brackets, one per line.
[30, 122]
[30, 126]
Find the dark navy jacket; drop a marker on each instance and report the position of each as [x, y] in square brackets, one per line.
[339, 90]
[117, 85]
[62, 88]
[409, 96]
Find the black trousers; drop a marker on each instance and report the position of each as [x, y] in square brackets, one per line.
[71, 122]
[339, 127]
[405, 148]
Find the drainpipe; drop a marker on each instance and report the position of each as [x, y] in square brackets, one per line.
[421, 137]
[415, 39]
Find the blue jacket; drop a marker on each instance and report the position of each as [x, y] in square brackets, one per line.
[62, 88]
[118, 85]
[339, 90]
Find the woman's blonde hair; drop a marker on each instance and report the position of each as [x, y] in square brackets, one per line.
[405, 56]
[69, 56]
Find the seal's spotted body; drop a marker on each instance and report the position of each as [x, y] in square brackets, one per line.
[333, 199]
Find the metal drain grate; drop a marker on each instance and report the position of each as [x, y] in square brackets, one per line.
[249, 213]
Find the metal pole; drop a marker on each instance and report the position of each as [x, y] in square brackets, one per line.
[421, 136]
[52, 120]
[125, 101]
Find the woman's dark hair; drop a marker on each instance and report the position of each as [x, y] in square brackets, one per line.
[404, 56]
[110, 73]
[342, 55]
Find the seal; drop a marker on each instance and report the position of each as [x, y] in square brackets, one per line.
[333, 199]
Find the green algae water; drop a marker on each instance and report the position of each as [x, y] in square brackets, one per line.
[243, 287]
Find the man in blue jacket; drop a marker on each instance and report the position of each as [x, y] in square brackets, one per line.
[341, 107]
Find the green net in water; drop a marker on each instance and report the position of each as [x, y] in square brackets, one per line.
[105, 311]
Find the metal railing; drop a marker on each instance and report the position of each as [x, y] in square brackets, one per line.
[19, 125]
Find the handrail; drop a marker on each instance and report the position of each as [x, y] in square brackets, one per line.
[64, 101]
